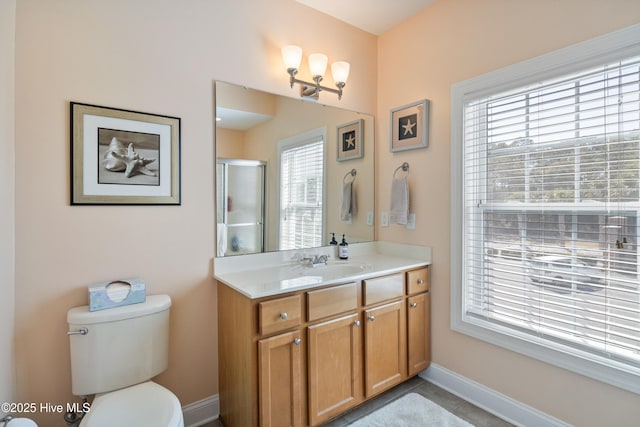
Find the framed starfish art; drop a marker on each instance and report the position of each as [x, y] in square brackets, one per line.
[350, 140]
[122, 157]
[410, 126]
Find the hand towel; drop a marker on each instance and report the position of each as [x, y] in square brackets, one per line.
[348, 206]
[399, 201]
[222, 239]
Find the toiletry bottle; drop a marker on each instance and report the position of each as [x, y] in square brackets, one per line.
[334, 243]
[344, 249]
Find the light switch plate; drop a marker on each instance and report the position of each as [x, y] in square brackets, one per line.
[411, 221]
[384, 219]
[370, 218]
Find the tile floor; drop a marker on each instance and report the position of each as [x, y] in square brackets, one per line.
[452, 403]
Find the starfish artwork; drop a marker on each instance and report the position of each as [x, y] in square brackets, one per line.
[349, 141]
[119, 159]
[408, 126]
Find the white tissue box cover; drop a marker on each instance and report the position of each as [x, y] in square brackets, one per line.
[100, 298]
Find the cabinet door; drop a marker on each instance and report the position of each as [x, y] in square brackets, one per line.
[335, 367]
[385, 347]
[280, 389]
[418, 333]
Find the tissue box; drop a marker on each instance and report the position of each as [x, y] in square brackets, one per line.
[116, 293]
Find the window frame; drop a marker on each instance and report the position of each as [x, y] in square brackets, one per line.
[607, 48]
[305, 138]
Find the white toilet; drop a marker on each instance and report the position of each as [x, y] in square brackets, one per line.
[114, 354]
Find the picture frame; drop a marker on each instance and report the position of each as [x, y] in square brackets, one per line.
[123, 157]
[350, 140]
[410, 126]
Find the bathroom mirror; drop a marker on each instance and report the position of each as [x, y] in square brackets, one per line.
[286, 170]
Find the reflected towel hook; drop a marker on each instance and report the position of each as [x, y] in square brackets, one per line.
[353, 173]
[404, 167]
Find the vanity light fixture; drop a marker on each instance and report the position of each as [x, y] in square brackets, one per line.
[292, 56]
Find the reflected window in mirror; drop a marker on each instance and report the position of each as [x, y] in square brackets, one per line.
[302, 190]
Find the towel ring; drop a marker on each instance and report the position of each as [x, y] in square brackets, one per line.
[404, 167]
[353, 173]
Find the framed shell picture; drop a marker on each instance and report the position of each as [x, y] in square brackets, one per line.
[410, 126]
[350, 140]
[122, 157]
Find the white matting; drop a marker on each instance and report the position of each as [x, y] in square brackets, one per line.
[411, 410]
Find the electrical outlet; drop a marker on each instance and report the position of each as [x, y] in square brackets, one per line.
[411, 221]
[370, 218]
[384, 219]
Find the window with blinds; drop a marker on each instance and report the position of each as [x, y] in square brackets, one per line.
[550, 213]
[301, 193]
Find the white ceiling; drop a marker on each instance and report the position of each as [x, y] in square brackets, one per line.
[373, 16]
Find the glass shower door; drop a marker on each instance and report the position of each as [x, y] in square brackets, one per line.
[240, 206]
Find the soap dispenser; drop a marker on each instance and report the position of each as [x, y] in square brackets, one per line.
[334, 243]
[344, 249]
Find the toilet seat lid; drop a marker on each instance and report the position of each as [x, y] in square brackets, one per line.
[142, 405]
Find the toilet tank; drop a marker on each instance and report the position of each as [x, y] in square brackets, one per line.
[123, 346]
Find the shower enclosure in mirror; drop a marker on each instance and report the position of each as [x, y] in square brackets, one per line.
[306, 192]
[240, 206]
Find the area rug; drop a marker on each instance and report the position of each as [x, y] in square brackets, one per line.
[411, 410]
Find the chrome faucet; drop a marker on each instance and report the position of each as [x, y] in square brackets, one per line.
[317, 259]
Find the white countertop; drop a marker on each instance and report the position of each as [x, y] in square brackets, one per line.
[263, 275]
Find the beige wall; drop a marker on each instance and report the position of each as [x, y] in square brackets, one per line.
[157, 56]
[7, 198]
[451, 41]
[162, 57]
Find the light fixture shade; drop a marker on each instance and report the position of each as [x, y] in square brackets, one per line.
[340, 71]
[292, 56]
[317, 64]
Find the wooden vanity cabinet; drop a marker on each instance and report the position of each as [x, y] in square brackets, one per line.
[280, 395]
[262, 359]
[385, 359]
[335, 367]
[418, 336]
[303, 358]
[385, 347]
[418, 321]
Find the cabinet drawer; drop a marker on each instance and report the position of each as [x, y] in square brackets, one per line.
[330, 301]
[279, 314]
[383, 288]
[418, 281]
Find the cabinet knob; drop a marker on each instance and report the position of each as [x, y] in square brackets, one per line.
[420, 282]
[414, 304]
[372, 318]
[297, 341]
[357, 323]
[284, 316]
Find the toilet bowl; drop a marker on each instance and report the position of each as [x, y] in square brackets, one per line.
[9, 421]
[142, 405]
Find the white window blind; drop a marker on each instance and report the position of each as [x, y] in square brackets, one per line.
[301, 194]
[551, 213]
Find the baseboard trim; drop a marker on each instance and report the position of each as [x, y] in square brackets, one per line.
[201, 412]
[488, 399]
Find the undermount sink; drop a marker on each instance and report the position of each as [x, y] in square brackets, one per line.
[310, 275]
[339, 269]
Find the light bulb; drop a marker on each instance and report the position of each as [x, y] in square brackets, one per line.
[291, 56]
[340, 71]
[317, 64]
